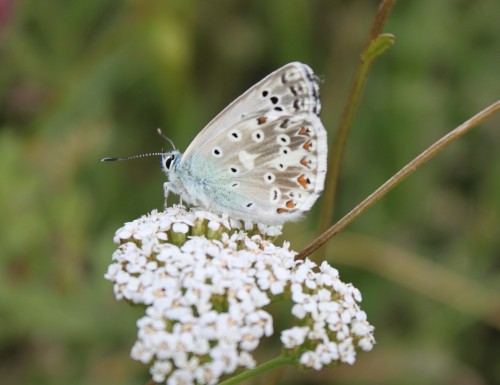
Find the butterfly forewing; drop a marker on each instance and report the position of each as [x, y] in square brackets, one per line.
[289, 90]
[268, 149]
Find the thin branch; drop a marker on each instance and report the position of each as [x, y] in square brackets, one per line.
[381, 16]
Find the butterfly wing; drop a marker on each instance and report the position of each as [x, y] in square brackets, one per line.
[263, 158]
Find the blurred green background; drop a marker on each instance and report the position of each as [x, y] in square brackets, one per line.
[81, 80]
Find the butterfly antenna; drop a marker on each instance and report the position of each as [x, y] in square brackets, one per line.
[167, 138]
[132, 157]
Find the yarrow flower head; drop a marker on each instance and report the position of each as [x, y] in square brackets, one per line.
[205, 281]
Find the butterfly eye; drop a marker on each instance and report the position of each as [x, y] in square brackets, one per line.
[168, 162]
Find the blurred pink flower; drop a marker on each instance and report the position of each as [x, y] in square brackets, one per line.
[6, 7]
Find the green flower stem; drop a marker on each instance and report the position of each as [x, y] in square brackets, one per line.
[266, 366]
[376, 45]
[397, 178]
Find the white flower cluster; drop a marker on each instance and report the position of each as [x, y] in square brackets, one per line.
[333, 324]
[205, 280]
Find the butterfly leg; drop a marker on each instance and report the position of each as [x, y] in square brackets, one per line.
[167, 186]
[171, 187]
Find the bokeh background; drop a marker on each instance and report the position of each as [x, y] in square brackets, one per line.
[81, 80]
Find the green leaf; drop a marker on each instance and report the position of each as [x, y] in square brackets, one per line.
[377, 47]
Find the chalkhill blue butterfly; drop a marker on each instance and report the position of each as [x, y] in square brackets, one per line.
[263, 158]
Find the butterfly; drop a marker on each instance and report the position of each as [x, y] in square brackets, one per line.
[263, 158]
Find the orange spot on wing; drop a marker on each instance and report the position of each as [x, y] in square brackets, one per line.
[303, 180]
[307, 145]
[261, 120]
[290, 204]
[281, 211]
[304, 131]
[305, 162]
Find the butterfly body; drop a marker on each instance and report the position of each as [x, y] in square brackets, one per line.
[263, 158]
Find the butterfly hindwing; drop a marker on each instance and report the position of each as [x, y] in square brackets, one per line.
[283, 178]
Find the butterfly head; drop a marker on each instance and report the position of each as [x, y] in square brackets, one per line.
[169, 160]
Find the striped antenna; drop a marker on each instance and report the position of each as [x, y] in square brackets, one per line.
[132, 157]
